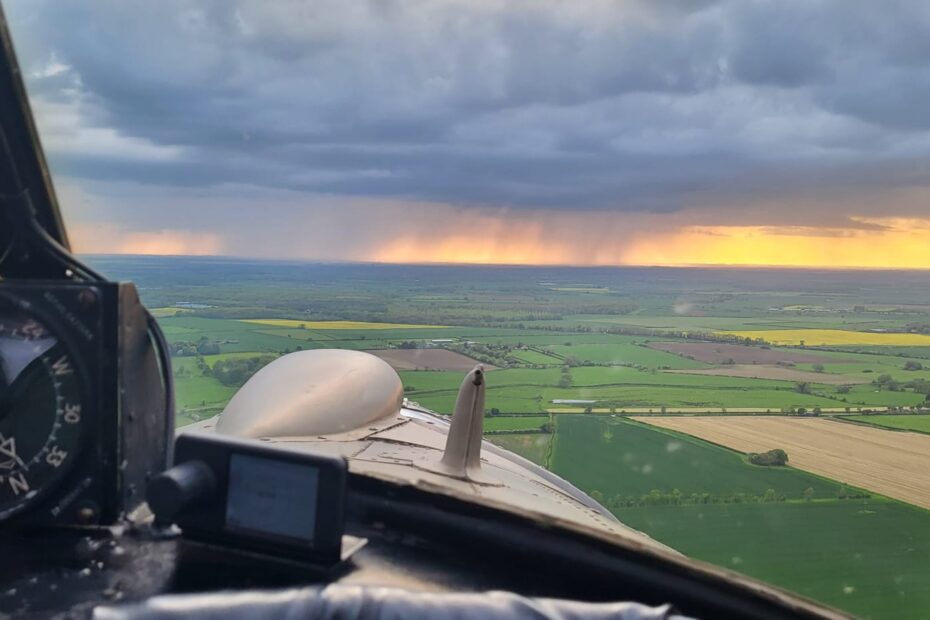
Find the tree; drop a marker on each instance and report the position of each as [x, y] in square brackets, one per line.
[235, 372]
[912, 365]
[843, 389]
[802, 387]
[205, 347]
[885, 382]
[772, 458]
[818, 367]
[809, 493]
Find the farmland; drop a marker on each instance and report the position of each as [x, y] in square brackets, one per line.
[532, 446]
[780, 373]
[723, 353]
[917, 423]
[873, 458]
[515, 423]
[633, 459]
[820, 337]
[710, 503]
[426, 359]
[340, 325]
[575, 351]
[864, 556]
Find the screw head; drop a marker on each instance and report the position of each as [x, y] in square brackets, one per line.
[87, 297]
[87, 513]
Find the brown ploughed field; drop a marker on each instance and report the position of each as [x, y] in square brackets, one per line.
[427, 359]
[720, 353]
[761, 371]
[891, 463]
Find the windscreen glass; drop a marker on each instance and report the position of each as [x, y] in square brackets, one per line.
[688, 241]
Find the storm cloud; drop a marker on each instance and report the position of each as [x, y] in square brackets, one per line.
[729, 111]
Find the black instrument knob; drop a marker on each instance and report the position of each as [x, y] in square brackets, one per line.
[172, 491]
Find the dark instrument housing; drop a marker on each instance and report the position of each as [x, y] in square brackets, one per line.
[128, 436]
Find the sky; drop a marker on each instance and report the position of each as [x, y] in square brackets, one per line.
[628, 132]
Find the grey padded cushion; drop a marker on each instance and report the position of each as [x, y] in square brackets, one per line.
[338, 602]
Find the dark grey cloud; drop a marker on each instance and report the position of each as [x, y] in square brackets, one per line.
[637, 105]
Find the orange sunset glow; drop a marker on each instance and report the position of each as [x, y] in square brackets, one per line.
[554, 238]
[899, 244]
[108, 239]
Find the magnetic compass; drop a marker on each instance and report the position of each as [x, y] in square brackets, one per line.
[41, 406]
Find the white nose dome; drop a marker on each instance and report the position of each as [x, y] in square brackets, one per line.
[316, 392]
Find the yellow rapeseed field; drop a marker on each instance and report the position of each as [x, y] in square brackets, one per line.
[827, 337]
[338, 324]
[580, 289]
[160, 313]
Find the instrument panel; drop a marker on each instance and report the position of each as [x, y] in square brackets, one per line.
[41, 406]
[81, 391]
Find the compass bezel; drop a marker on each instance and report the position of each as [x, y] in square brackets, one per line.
[41, 306]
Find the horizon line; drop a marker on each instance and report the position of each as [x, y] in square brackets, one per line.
[720, 266]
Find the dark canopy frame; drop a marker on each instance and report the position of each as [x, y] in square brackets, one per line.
[22, 162]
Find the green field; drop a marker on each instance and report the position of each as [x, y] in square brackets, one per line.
[633, 459]
[533, 390]
[535, 357]
[847, 552]
[338, 325]
[912, 352]
[532, 446]
[538, 399]
[625, 353]
[919, 423]
[868, 368]
[519, 423]
[869, 557]
[587, 376]
[616, 371]
[750, 314]
[199, 397]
